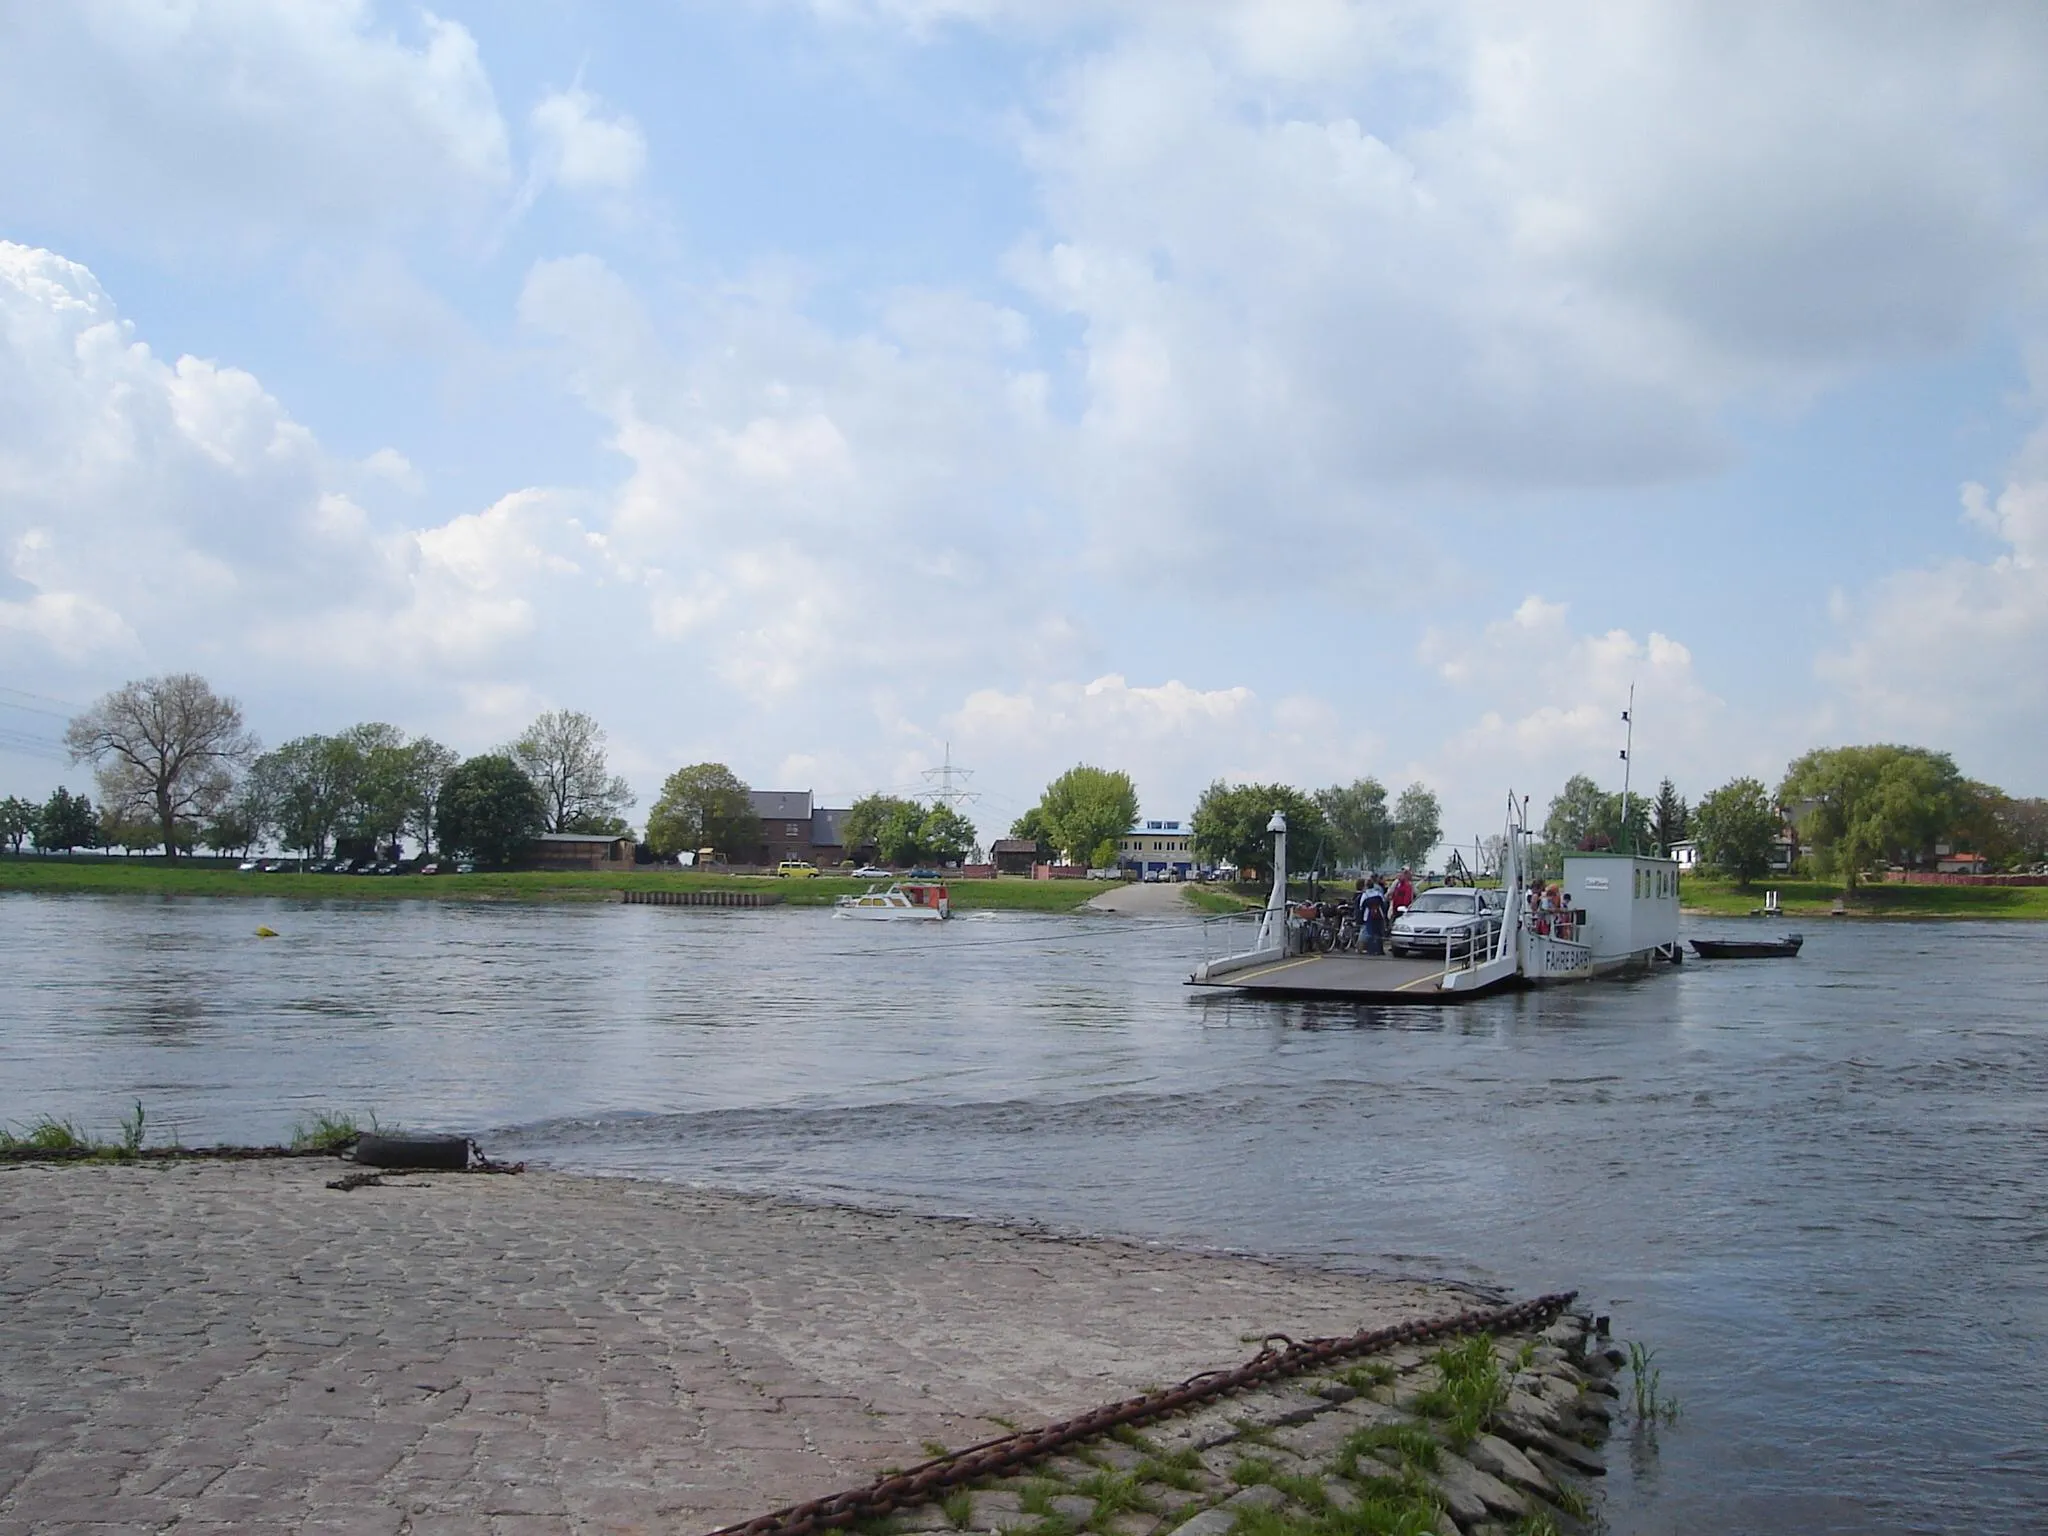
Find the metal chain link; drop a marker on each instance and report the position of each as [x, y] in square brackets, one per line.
[924, 1482]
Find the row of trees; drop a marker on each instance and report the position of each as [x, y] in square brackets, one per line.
[176, 766]
[1347, 826]
[1847, 811]
[1344, 827]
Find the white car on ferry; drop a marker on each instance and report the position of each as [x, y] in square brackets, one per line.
[1450, 919]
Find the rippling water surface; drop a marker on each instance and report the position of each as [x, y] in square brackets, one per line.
[1818, 1188]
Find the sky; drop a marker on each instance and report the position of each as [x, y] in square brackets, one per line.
[1203, 388]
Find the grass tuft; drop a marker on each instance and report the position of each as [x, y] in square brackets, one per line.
[1471, 1389]
[328, 1131]
[958, 1507]
[1652, 1404]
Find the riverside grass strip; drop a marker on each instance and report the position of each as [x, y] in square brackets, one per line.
[154, 877]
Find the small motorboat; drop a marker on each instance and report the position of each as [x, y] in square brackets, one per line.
[1748, 949]
[907, 901]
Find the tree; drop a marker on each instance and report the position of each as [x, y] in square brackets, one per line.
[2023, 824]
[1418, 825]
[1031, 827]
[702, 806]
[1736, 826]
[17, 821]
[378, 771]
[1584, 817]
[305, 791]
[905, 831]
[168, 743]
[66, 821]
[231, 830]
[428, 765]
[1361, 830]
[1230, 825]
[489, 810]
[885, 823]
[1085, 810]
[1670, 818]
[563, 754]
[1861, 806]
[944, 835]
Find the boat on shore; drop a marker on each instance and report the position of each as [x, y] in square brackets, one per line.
[907, 901]
[1749, 949]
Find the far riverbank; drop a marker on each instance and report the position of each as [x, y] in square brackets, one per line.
[155, 877]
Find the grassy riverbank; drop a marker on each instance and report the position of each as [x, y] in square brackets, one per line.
[1816, 898]
[153, 877]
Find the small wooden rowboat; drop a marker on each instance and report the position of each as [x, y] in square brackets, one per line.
[1748, 949]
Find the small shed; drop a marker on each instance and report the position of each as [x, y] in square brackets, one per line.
[1013, 855]
[581, 850]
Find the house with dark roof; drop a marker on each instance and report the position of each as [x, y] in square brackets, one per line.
[793, 826]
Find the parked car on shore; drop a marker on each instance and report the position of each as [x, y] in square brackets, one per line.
[871, 872]
[797, 869]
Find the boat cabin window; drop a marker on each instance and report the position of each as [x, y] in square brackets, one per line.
[1446, 901]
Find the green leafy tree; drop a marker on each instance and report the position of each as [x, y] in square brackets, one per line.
[1230, 826]
[1736, 826]
[1670, 819]
[306, 792]
[702, 806]
[1863, 806]
[167, 744]
[1584, 816]
[886, 823]
[1361, 827]
[66, 821]
[379, 774]
[17, 821]
[944, 835]
[1418, 825]
[562, 752]
[490, 810]
[231, 830]
[428, 764]
[1031, 826]
[1085, 810]
[2023, 826]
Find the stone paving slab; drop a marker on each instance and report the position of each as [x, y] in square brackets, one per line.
[235, 1347]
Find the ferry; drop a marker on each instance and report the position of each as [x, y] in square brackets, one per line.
[904, 902]
[1624, 916]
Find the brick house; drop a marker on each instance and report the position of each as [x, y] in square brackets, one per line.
[794, 827]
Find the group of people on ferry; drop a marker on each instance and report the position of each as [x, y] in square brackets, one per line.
[1551, 910]
[1379, 905]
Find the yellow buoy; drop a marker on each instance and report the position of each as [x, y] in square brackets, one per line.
[266, 933]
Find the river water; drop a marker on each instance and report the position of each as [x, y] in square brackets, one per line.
[1819, 1188]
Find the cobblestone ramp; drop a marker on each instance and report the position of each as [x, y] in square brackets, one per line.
[199, 1348]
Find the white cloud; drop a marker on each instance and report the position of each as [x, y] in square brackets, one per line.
[1380, 259]
[1952, 655]
[1548, 701]
[174, 514]
[244, 120]
[580, 149]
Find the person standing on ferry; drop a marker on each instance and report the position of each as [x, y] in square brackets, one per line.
[1402, 896]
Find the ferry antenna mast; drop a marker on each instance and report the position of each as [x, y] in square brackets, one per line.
[1627, 764]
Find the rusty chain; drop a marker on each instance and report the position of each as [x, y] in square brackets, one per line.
[924, 1482]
